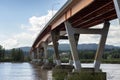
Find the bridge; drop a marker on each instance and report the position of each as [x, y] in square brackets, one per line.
[74, 18]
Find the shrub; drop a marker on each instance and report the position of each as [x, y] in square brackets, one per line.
[59, 74]
[87, 76]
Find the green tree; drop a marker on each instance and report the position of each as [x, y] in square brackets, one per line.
[17, 55]
[2, 53]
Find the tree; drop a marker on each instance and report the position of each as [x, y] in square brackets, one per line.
[2, 53]
[17, 55]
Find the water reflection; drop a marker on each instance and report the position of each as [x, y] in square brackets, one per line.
[26, 71]
[21, 71]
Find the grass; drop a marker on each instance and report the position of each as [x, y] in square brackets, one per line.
[87, 76]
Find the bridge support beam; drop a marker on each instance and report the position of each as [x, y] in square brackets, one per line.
[117, 8]
[38, 55]
[73, 42]
[55, 38]
[76, 36]
[45, 52]
[101, 46]
[34, 57]
[73, 45]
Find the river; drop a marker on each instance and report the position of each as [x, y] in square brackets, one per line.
[27, 71]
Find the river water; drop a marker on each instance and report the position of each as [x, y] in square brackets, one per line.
[26, 71]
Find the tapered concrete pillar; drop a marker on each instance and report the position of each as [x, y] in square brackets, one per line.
[34, 55]
[45, 52]
[38, 55]
[70, 60]
[73, 42]
[73, 45]
[117, 8]
[101, 46]
[76, 36]
[55, 38]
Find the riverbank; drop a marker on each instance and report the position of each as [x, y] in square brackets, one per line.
[109, 61]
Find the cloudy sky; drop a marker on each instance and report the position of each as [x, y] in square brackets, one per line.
[22, 20]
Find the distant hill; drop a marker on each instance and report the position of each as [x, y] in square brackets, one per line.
[25, 49]
[80, 46]
[85, 46]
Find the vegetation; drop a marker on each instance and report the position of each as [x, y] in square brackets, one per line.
[60, 72]
[64, 72]
[87, 76]
[17, 55]
[87, 56]
[13, 55]
[2, 53]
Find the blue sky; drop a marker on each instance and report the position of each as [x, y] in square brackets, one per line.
[16, 13]
[13, 13]
[22, 20]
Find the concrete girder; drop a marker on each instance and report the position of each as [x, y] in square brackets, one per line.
[117, 8]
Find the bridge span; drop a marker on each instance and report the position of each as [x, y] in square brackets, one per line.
[75, 18]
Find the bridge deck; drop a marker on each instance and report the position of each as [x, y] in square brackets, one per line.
[81, 13]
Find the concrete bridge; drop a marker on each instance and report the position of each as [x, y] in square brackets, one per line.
[75, 18]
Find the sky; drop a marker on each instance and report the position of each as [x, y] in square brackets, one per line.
[22, 20]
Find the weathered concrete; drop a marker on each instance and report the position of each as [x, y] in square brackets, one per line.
[73, 45]
[117, 8]
[55, 38]
[101, 46]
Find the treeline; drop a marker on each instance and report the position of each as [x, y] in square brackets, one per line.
[13, 55]
[109, 55]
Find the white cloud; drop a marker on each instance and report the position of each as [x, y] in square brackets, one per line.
[37, 23]
[112, 39]
[10, 43]
[27, 38]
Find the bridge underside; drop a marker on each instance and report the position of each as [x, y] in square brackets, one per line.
[74, 19]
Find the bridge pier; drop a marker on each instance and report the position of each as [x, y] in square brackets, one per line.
[38, 59]
[73, 43]
[101, 46]
[45, 60]
[55, 38]
[34, 57]
[117, 8]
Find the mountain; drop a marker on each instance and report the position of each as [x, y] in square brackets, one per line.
[80, 46]
[85, 46]
[25, 49]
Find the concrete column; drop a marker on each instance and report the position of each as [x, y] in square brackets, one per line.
[76, 36]
[45, 52]
[73, 46]
[70, 60]
[101, 46]
[117, 8]
[34, 55]
[55, 37]
[38, 55]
